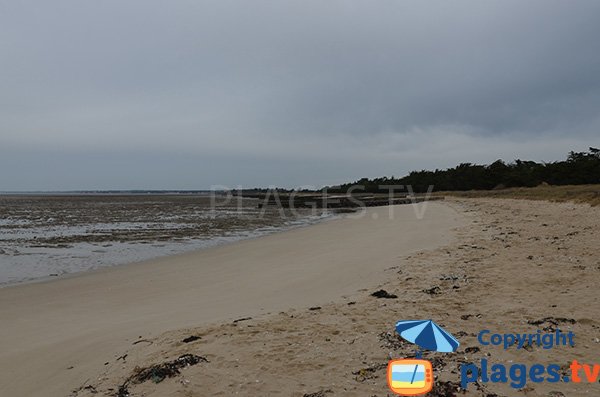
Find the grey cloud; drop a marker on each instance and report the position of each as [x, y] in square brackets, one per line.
[282, 84]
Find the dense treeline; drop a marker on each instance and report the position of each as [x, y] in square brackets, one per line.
[579, 168]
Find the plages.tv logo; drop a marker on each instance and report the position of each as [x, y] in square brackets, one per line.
[413, 377]
[408, 377]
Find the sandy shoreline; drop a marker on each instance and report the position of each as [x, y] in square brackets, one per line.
[49, 236]
[59, 334]
[516, 266]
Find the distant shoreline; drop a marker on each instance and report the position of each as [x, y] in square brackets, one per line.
[105, 192]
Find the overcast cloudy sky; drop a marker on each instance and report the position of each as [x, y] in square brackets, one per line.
[120, 94]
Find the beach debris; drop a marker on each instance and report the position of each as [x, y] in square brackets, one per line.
[314, 308]
[391, 340]
[438, 363]
[383, 294]
[123, 357]
[159, 372]
[556, 394]
[320, 393]
[527, 346]
[446, 389]
[84, 386]
[142, 340]
[242, 319]
[369, 372]
[468, 316]
[354, 303]
[435, 290]
[123, 391]
[451, 277]
[472, 349]
[484, 390]
[551, 323]
[191, 338]
[461, 334]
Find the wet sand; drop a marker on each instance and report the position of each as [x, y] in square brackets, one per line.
[60, 335]
[49, 235]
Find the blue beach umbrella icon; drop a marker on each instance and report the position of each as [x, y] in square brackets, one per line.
[427, 335]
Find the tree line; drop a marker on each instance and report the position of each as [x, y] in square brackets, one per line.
[578, 168]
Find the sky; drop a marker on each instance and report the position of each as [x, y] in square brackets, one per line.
[146, 94]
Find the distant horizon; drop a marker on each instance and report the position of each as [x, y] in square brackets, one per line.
[220, 187]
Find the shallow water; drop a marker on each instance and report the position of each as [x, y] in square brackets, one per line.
[48, 236]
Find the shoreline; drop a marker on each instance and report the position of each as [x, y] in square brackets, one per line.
[90, 317]
[211, 242]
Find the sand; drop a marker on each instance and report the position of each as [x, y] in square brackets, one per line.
[498, 264]
[514, 266]
[58, 337]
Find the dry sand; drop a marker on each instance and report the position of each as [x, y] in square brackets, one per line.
[63, 337]
[515, 266]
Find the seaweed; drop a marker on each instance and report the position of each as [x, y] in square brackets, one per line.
[159, 372]
[191, 338]
[383, 294]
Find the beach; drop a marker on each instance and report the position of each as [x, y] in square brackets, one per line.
[510, 266]
[292, 314]
[299, 199]
[61, 334]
